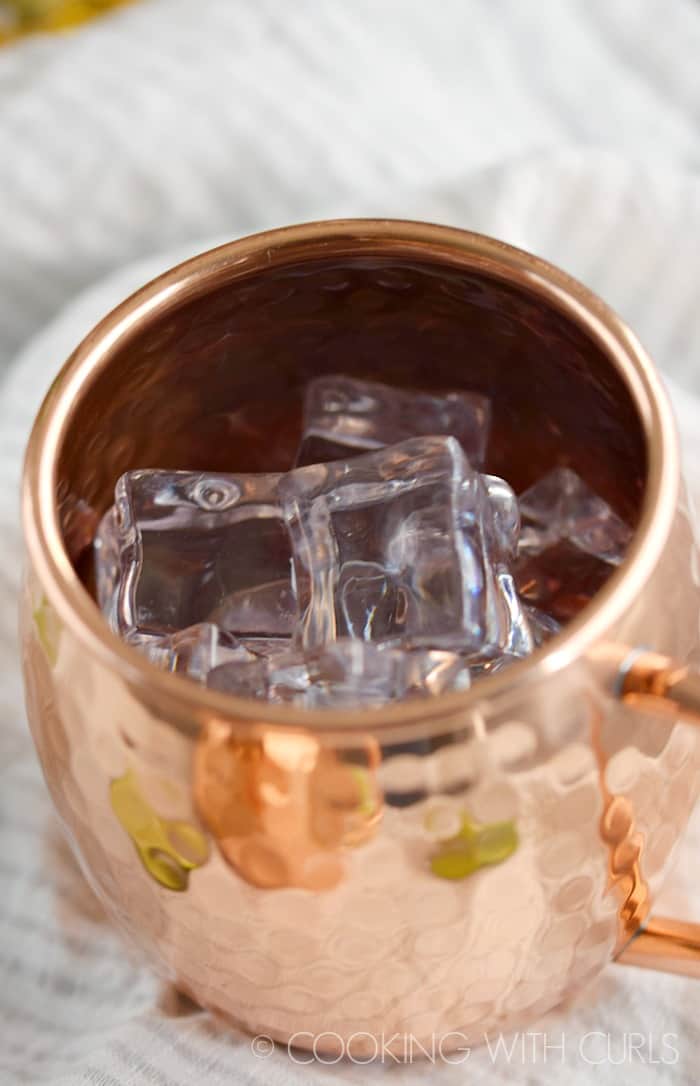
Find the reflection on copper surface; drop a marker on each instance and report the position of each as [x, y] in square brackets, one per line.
[281, 807]
[80, 523]
[472, 847]
[167, 848]
[48, 628]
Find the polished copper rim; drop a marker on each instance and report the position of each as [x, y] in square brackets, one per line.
[78, 611]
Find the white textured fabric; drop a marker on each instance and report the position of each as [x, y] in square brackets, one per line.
[569, 128]
[174, 119]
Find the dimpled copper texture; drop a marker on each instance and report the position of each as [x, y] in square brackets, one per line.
[217, 383]
[320, 906]
[282, 807]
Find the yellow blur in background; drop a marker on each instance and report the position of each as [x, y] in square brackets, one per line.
[19, 17]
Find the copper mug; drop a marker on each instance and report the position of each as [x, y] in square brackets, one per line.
[449, 867]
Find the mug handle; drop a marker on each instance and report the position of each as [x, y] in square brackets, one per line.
[669, 946]
[658, 685]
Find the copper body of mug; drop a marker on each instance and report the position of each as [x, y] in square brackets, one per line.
[292, 870]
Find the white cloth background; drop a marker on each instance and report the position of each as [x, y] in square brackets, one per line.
[567, 127]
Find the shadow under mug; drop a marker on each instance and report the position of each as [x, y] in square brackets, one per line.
[304, 872]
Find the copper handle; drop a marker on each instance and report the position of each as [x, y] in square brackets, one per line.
[656, 684]
[670, 946]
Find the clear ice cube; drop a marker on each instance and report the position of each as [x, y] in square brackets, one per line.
[517, 638]
[194, 651]
[181, 548]
[560, 506]
[399, 544]
[542, 626]
[436, 671]
[344, 417]
[490, 665]
[266, 646]
[244, 679]
[370, 599]
[569, 540]
[344, 674]
[506, 514]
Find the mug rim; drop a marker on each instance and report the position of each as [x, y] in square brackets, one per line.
[189, 703]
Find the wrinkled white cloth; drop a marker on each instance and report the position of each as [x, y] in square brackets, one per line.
[572, 131]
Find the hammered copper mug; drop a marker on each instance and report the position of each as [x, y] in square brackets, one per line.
[283, 866]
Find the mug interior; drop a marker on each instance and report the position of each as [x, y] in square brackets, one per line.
[213, 378]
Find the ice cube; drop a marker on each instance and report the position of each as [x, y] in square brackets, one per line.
[181, 548]
[344, 674]
[506, 514]
[265, 607]
[570, 538]
[517, 638]
[542, 625]
[344, 417]
[489, 665]
[436, 671]
[266, 646]
[370, 598]
[561, 506]
[193, 652]
[247, 679]
[349, 673]
[399, 544]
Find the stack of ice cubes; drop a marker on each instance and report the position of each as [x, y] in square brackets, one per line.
[384, 565]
